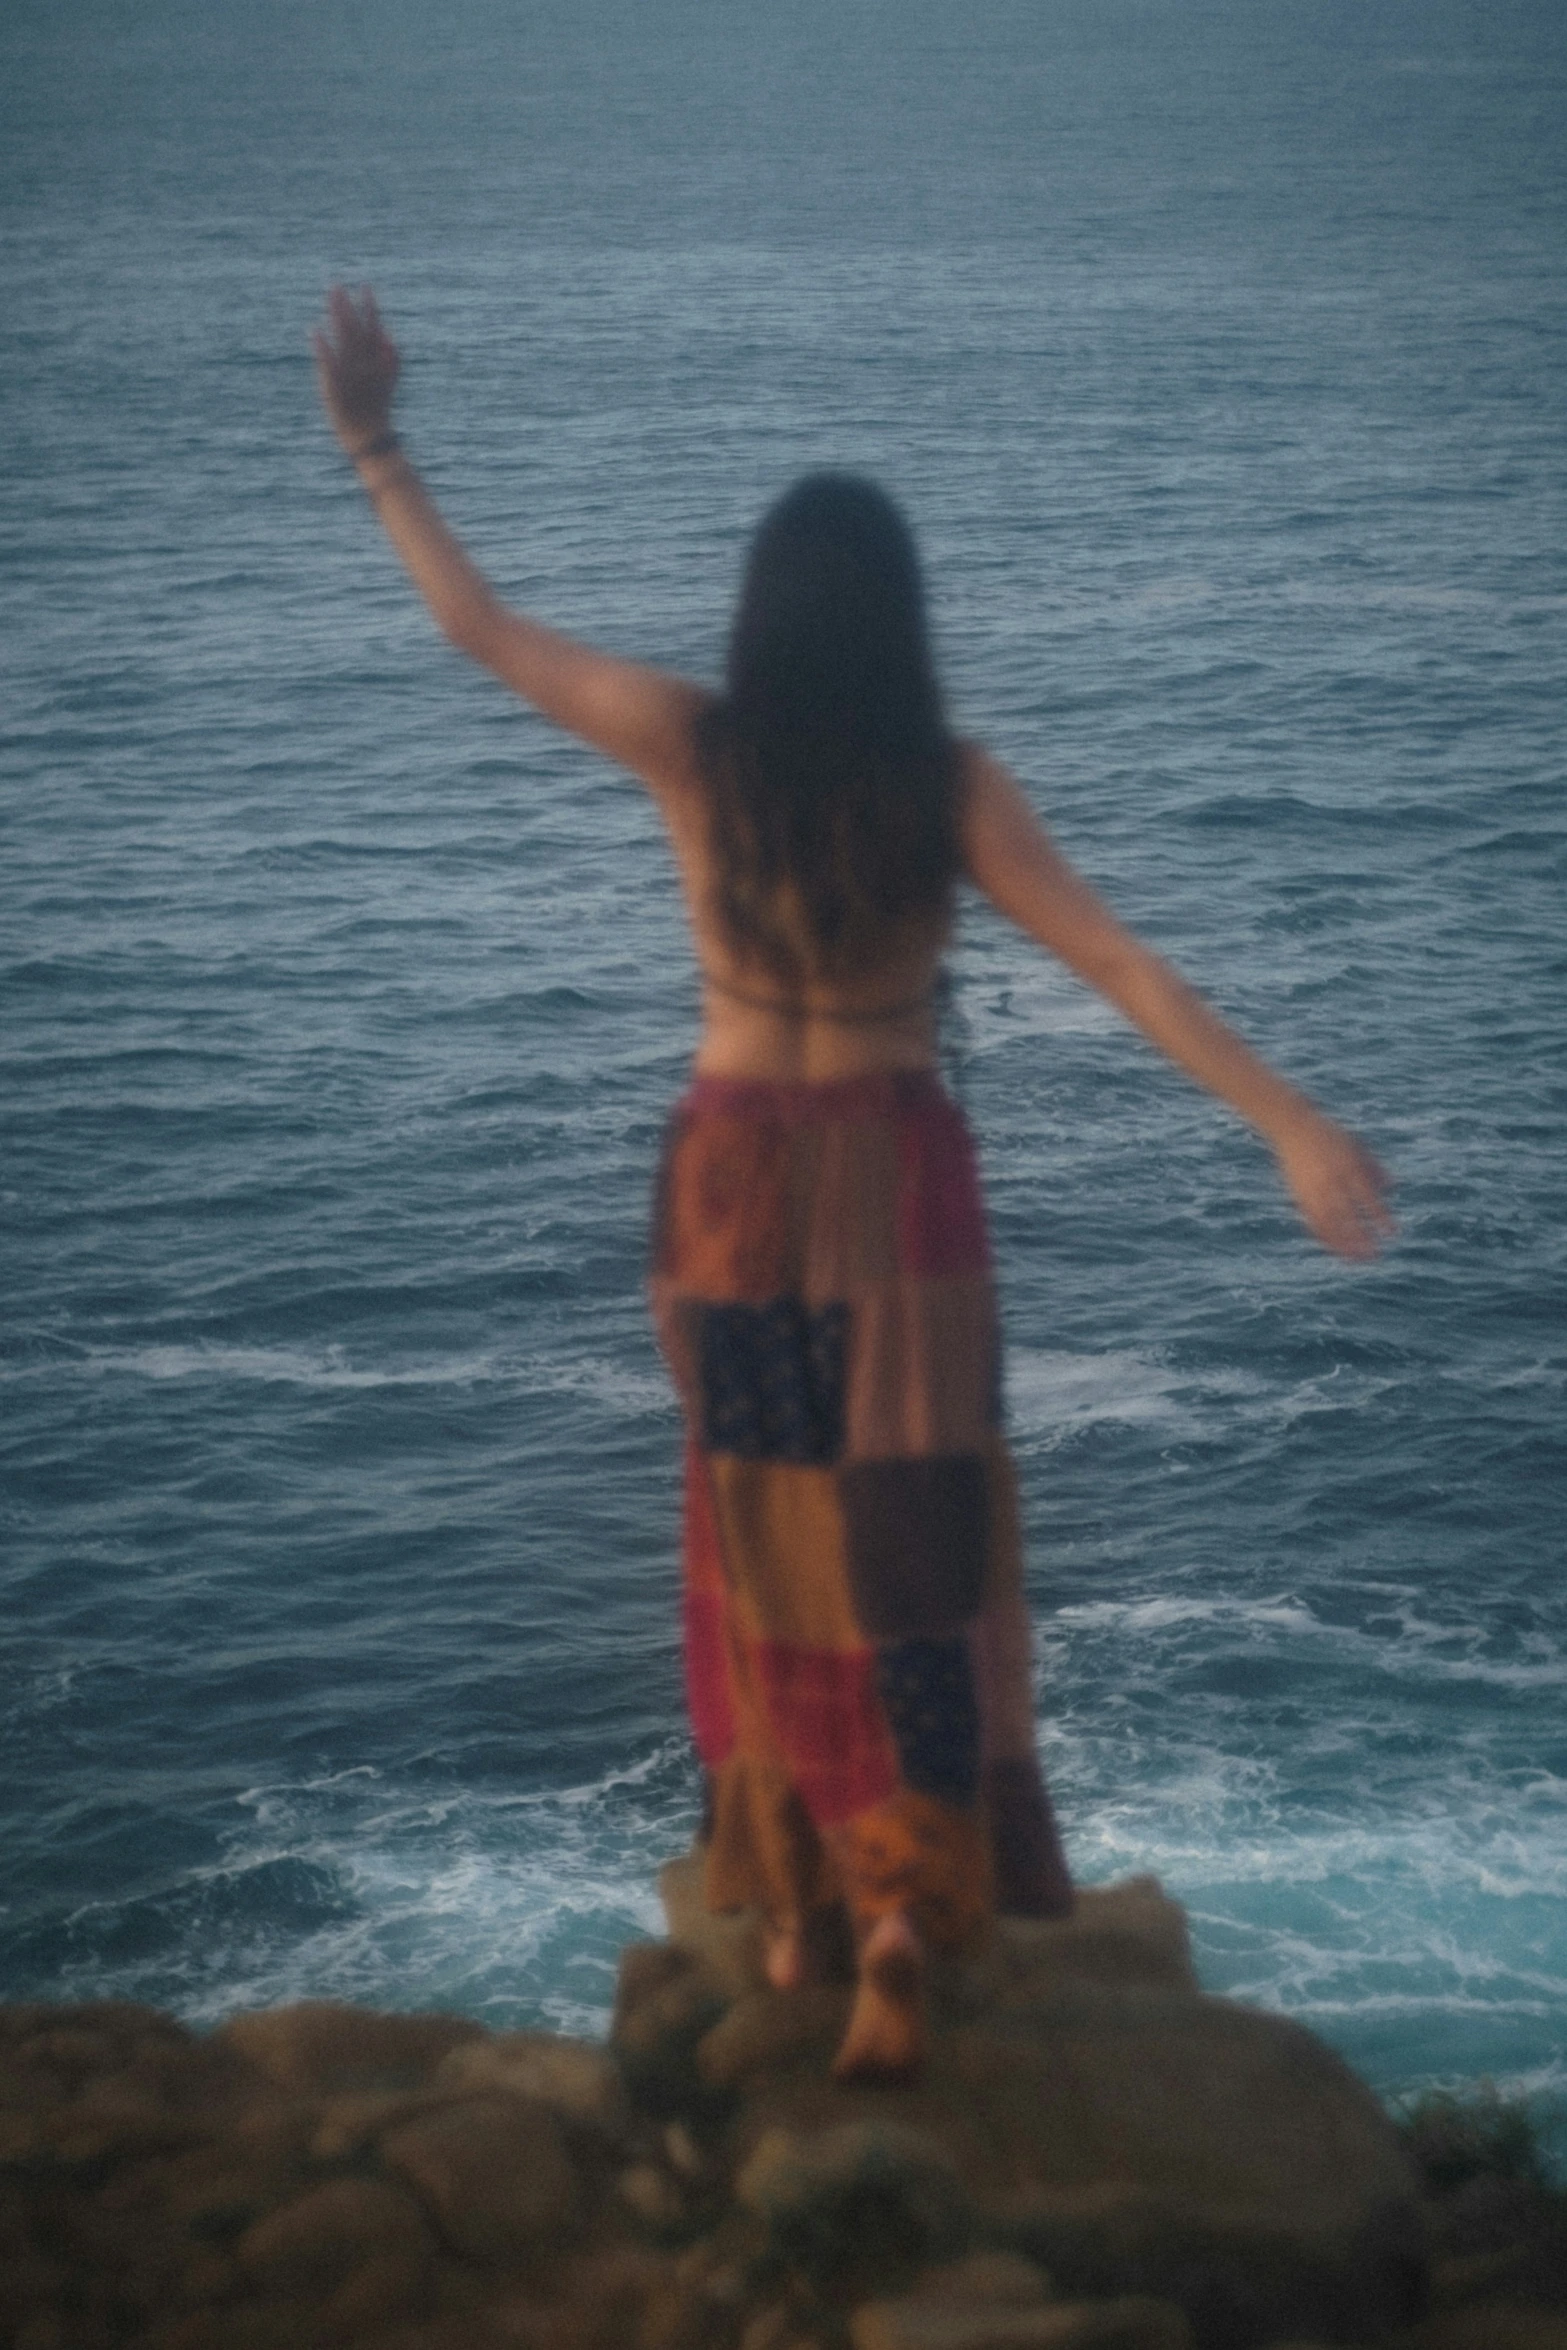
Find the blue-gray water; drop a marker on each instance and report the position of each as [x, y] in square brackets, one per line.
[1217, 352]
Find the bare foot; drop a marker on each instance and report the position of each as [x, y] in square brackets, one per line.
[886, 2039]
[785, 1960]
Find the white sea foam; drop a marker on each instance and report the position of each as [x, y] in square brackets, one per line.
[617, 1387]
[1160, 1614]
[322, 1367]
[1054, 1394]
[512, 1907]
[1397, 1642]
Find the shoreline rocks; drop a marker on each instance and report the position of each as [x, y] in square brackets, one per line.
[1099, 2157]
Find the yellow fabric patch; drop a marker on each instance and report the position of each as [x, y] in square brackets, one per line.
[780, 1529]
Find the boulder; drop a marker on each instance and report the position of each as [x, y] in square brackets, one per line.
[1118, 1936]
[353, 2249]
[1130, 2322]
[856, 2207]
[987, 2276]
[493, 2172]
[1096, 2157]
[666, 2002]
[579, 2081]
[1138, 2139]
[321, 2046]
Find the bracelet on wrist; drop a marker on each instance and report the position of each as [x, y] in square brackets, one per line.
[381, 444]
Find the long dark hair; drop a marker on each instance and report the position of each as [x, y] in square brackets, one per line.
[830, 770]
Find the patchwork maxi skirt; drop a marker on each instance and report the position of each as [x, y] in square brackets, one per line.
[857, 1647]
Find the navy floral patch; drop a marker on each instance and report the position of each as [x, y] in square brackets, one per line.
[772, 1381]
[927, 1689]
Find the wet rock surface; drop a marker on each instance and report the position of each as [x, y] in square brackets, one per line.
[1098, 2158]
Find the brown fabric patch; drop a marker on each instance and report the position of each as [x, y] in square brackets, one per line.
[850, 1233]
[922, 1370]
[1031, 1872]
[1001, 1643]
[916, 1543]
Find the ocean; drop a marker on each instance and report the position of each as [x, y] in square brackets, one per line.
[1215, 349]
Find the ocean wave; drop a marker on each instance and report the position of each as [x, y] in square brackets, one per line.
[1392, 1638]
[354, 1885]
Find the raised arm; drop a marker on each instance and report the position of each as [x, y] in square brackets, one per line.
[1337, 1185]
[638, 716]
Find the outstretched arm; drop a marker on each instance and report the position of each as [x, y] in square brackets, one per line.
[1336, 1183]
[639, 716]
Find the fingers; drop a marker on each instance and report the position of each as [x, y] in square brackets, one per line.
[1358, 1221]
[358, 327]
[1341, 1191]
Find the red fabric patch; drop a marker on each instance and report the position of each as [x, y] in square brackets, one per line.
[706, 1655]
[704, 1560]
[828, 1721]
[723, 1209]
[941, 1219]
[707, 1679]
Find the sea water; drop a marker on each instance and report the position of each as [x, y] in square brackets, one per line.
[1217, 353]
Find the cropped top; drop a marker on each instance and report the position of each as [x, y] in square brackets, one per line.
[840, 1016]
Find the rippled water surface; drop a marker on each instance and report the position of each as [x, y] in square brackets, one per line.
[1217, 353]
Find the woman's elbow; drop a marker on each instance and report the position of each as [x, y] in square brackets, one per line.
[467, 622]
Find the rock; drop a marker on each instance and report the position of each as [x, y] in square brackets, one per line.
[683, 2152]
[665, 2004]
[312, 2249]
[1158, 2142]
[772, 2329]
[347, 2125]
[627, 2298]
[766, 2029]
[578, 2080]
[492, 2171]
[856, 2207]
[1129, 2323]
[1503, 2328]
[110, 2122]
[728, 1946]
[323, 2047]
[987, 2276]
[652, 2194]
[1096, 2157]
[1191, 2149]
[1130, 1935]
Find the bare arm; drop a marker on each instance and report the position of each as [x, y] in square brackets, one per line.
[1336, 1183]
[638, 716]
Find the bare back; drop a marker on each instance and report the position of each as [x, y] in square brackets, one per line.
[752, 1026]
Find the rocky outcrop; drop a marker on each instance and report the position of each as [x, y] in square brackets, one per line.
[1099, 2158]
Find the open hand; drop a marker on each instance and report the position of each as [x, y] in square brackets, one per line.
[356, 367]
[1337, 1185]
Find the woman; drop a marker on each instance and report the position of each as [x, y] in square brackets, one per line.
[856, 1639]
